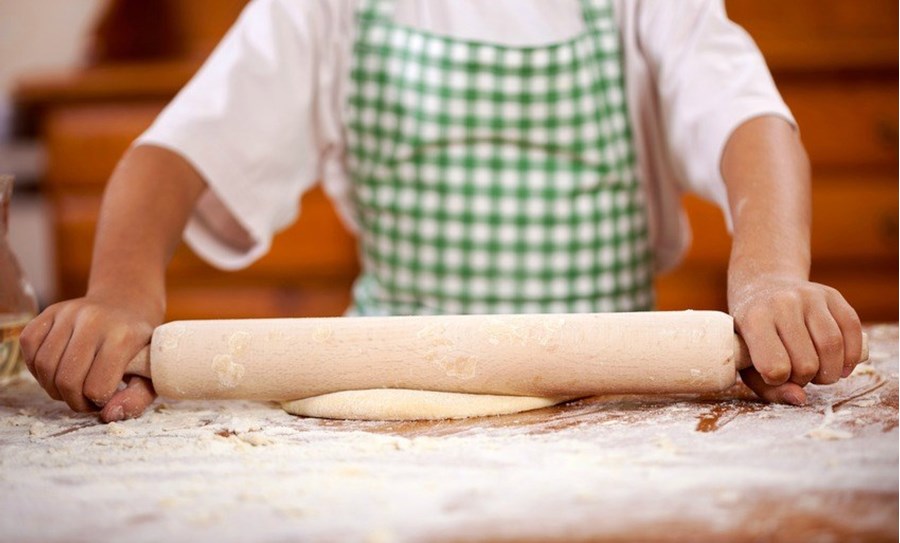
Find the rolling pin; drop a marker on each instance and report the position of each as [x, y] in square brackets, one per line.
[523, 355]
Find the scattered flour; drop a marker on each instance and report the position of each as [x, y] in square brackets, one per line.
[227, 370]
[39, 429]
[825, 431]
[118, 429]
[613, 468]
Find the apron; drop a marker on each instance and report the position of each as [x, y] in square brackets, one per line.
[491, 178]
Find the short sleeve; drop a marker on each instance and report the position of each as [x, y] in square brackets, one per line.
[247, 123]
[710, 78]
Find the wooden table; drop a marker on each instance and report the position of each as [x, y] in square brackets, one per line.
[699, 468]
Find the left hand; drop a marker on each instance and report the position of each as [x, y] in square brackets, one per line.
[797, 332]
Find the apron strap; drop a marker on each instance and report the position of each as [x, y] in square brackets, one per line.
[596, 14]
[370, 11]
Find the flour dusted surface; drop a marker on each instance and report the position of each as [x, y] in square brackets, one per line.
[656, 468]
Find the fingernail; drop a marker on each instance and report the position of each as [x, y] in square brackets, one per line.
[117, 414]
[846, 371]
[794, 398]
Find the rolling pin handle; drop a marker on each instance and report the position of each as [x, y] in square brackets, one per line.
[742, 354]
[865, 348]
[140, 364]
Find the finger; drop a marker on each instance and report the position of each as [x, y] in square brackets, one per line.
[829, 342]
[804, 359]
[33, 336]
[129, 402]
[74, 365]
[46, 361]
[108, 370]
[786, 393]
[851, 329]
[768, 354]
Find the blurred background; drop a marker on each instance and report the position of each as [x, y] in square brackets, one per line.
[80, 79]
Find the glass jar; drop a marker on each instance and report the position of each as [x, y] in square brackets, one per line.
[18, 304]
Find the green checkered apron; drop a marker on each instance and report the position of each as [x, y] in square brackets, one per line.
[491, 178]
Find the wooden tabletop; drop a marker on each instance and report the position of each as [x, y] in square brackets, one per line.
[625, 468]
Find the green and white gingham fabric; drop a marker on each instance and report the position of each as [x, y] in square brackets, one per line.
[491, 178]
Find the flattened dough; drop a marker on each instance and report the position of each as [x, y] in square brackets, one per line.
[405, 404]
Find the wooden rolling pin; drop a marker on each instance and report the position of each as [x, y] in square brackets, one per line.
[525, 355]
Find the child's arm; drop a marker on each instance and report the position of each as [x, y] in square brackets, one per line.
[78, 349]
[797, 331]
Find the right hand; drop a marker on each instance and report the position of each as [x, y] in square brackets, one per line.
[78, 351]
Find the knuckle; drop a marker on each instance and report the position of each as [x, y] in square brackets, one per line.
[826, 377]
[805, 370]
[831, 343]
[786, 302]
[755, 313]
[830, 292]
[89, 315]
[120, 334]
[809, 289]
[28, 343]
[63, 311]
[96, 393]
[45, 376]
[66, 386]
[55, 308]
[776, 374]
[752, 323]
[44, 367]
[32, 337]
[79, 405]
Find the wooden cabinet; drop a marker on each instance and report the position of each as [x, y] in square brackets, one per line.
[834, 61]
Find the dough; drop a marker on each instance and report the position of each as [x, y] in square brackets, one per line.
[405, 404]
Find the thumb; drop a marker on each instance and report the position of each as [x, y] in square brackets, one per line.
[129, 402]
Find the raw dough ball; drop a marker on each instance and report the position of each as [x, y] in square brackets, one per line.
[405, 404]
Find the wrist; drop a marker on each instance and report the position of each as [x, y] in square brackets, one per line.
[146, 297]
[750, 269]
[746, 284]
[767, 255]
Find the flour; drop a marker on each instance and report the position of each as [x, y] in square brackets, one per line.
[119, 430]
[825, 431]
[616, 467]
[228, 372]
[39, 429]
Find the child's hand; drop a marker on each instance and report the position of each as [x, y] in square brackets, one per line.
[797, 332]
[78, 351]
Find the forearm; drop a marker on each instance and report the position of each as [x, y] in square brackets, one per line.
[147, 202]
[78, 349]
[766, 171]
[797, 331]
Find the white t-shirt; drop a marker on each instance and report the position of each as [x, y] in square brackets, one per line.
[262, 121]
